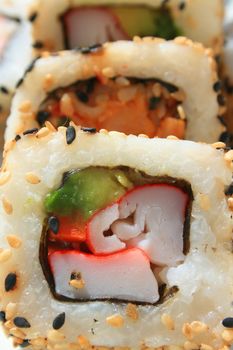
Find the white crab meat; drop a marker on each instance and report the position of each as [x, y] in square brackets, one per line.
[103, 26]
[96, 228]
[150, 217]
[7, 30]
[117, 276]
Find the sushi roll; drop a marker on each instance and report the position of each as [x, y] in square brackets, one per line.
[112, 241]
[135, 87]
[227, 69]
[111, 21]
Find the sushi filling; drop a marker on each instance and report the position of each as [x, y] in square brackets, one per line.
[109, 229]
[8, 27]
[111, 23]
[132, 106]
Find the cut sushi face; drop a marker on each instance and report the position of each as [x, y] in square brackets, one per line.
[111, 23]
[8, 27]
[105, 222]
[132, 106]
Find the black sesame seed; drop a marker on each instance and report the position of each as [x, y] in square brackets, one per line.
[21, 322]
[59, 321]
[229, 190]
[25, 343]
[95, 320]
[19, 83]
[222, 120]
[4, 90]
[221, 100]
[30, 131]
[33, 16]
[38, 44]
[17, 138]
[182, 5]
[2, 316]
[10, 281]
[217, 86]
[31, 66]
[53, 224]
[82, 96]
[90, 130]
[227, 138]
[42, 116]
[70, 134]
[153, 102]
[90, 49]
[228, 322]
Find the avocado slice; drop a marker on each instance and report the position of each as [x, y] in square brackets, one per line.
[86, 191]
[146, 21]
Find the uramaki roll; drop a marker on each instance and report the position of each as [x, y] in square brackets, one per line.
[69, 22]
[116, 241]
[148, 86]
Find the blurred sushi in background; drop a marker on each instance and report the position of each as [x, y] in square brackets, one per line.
[146, 86]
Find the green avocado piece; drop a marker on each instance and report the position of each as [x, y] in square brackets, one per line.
[146, 21]
[85, 192]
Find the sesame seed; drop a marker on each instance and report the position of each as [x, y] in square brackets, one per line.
[190, 346]
[38, 342]
[179, 95]
[10, 281]
[25, 343]
[14, 241]
[38, 44]
[187, 331]
[228, 322]
[4, 177]
[206, 347]
[82, 96]
[17, 138]
[168, 322]
[132, 311]
[221, 100]
[182, 5]
[59, 321]
[115, 320]
[227, 335]
[217, 86]
[7, 206]
[2, 316]
[50, 126]
[91, 49]
[5, 255]
[83, 341]
[229, 156]
[230, 203]
[21, 322]
[90, 130]
[55, 336]
[122, 81]
[70, 134]
[219, 145]
[181, 112]
[108, 72]
[4, 90]
[66, 105]
[19, 83]
[53, 224]
[25, 106]
[32, 178]
[33, 16]
[30, 131]
[172, 137]
[17, 333]
[78, 284]
[48, 81]
[42, 116]
[10, 310]
[198, 327]
[43, 132]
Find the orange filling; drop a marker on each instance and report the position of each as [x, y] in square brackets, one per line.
[132, 109]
